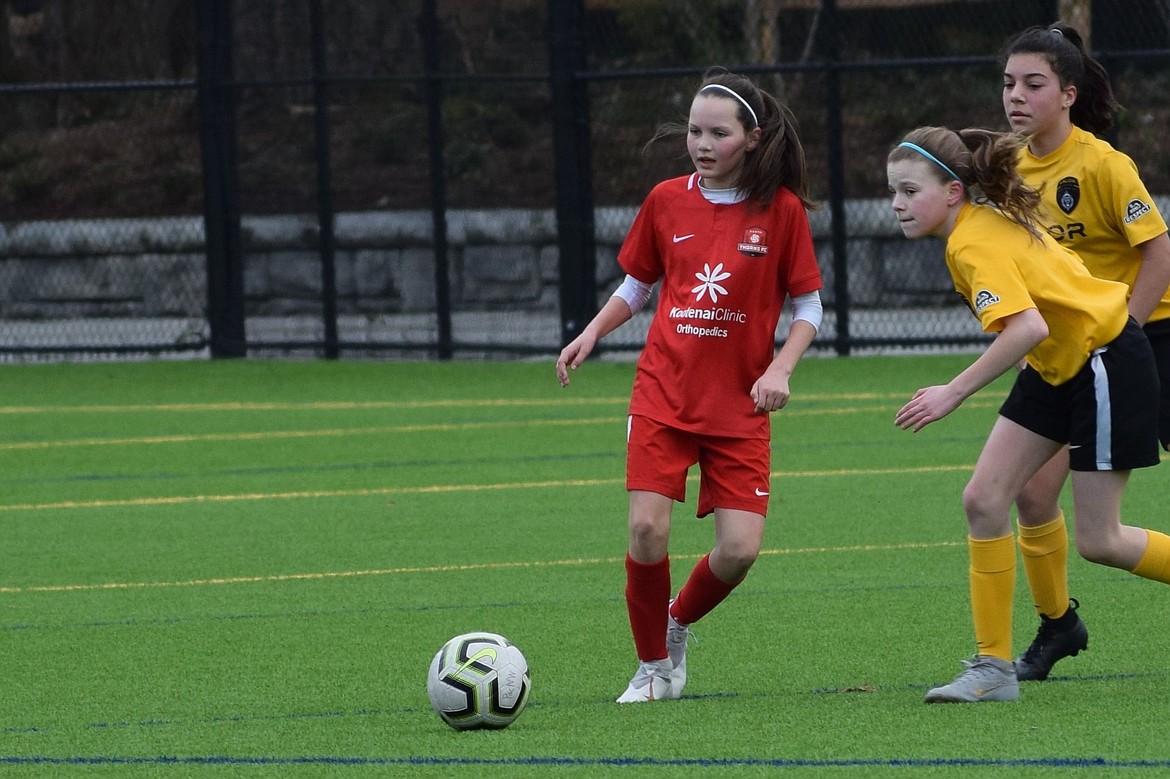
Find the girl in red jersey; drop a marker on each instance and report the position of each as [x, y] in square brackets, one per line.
[1090, 382]
[1095, 203]
[729, 243]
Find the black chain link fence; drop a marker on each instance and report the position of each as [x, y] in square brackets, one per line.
[356, 132]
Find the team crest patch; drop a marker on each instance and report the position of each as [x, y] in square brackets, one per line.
[983, 299]
[1136, 210]
[754, 242]
[1068, 194]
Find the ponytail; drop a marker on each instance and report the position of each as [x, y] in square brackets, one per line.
[983, 161]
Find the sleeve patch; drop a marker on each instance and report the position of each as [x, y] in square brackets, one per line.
[983, 299]
[1136, 210]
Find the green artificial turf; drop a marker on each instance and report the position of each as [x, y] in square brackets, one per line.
[243, 568]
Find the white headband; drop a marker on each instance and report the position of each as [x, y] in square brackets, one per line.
[736, 95]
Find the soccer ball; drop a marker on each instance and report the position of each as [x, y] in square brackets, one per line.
[478, 680]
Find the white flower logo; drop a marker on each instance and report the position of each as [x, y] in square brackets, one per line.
[709, 286]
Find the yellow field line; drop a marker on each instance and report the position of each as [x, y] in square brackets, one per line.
[323, 405]
[178, 500]
[345, 405]
[293, 577]
[339, 432]
[271, 435]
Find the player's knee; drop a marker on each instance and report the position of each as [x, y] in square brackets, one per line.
[736, 558]
[743, 559]
[647, 532]
[1036, 509]
[987, 512]
[1102, 549]
[1091, 551]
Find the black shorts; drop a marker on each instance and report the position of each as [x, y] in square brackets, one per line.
[1107, 413]
[1159, 335]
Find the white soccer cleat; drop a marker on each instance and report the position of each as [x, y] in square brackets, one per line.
[652, 682]
[676, 647]
[986, 678]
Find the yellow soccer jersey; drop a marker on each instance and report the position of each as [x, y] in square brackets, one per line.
[1096, 204]
[1001, 269]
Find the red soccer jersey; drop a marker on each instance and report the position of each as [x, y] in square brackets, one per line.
[725, 272]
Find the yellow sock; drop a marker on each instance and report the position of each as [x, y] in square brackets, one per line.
[1045, 552]
[993, 581]
[1155, 562]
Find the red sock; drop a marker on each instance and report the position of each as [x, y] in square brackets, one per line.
[702, 592]
[647, 596]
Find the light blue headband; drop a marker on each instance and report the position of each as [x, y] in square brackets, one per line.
[932, 158]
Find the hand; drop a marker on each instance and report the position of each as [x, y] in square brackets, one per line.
[929, 404]
[573, 355]
[770, 392]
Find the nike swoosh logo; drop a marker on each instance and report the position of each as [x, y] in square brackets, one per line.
[679, 238]
[760, 493]
[1074, 446]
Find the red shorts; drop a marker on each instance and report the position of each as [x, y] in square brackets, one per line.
[734, 473]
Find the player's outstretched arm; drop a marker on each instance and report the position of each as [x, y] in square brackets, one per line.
[1021, 333]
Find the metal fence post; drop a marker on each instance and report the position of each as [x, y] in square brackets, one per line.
[221, 210]
[839, 233]
[429, 30]
[573, 161]
[325, 217]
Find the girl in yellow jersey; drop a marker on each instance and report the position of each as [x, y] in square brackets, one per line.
[1093, 202]
[1089, 382]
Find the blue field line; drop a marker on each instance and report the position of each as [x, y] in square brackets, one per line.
[560, 762]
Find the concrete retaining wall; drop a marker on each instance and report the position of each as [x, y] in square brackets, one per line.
[497, 259]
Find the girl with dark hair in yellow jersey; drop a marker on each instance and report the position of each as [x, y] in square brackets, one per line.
[1094, 202]
[1089, 384]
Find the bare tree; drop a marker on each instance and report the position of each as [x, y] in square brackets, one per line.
[762, 34]
[127, 40]
[1079, 14]
[6, 60]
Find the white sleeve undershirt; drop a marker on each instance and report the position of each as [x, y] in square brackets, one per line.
[808, 308]
[634, 292]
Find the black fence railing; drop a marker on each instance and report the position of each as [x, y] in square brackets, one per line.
[447, 178]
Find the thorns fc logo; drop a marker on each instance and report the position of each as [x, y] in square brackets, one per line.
[1068, 194]
[754, 242]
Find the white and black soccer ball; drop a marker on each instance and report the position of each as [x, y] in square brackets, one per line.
[478, 680]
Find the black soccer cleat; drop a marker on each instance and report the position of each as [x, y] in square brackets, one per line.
[1056, 639]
